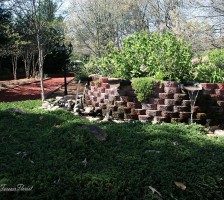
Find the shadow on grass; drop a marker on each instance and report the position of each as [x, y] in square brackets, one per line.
[52, 153]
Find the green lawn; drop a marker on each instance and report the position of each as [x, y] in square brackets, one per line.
[46, 149]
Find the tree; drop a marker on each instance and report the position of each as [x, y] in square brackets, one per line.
[38, 22]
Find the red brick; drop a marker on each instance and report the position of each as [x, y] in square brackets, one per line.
[201, 116]
[181, 96]
[153, 113]
[130, 116]
[108, 91]
[164, 108]
[133, 105]
[158, 89]
[102, 105]
[156, 101]
[149, 106]
[220, 86]
[92, 88]
[100, 100]
[217, 97]
[93, 98]
[169, 114]
[105, 96]
[166, 95]
[127, 98]
[180, 108]
[219, 92]
[96, 94]
[113, 107]
[170, 102]
[88, 102]
[144, 117]
[210, 86]
[220, 103]
[101, 90]
[196, 109]
[114, 91]
[120, 103]
[117, 115]
[133, 111]
[106, 85]
[170, 84]
[103, 79]
[174, 120]
[95, 104]
[160, 119]
[171, 90]
[127, 110]
[208, 91]
[184, 115]
[186, 102]
[141, 111]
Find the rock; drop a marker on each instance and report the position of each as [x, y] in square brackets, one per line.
[58, 98]
[93, 119]
[219, 132]
[88, 110]
[45, 104]
[17, 111]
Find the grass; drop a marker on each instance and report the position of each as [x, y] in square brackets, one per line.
[46, 150]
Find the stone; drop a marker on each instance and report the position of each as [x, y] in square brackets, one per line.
[88, 110]
[94, 119]
[219, 132]
[45, 104]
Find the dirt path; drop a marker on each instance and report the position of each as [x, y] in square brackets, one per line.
[31, 91]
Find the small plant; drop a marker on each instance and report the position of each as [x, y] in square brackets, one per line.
[143, 87]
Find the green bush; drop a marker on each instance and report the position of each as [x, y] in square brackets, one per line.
[210, 67]
[155, 55]
[143, 87]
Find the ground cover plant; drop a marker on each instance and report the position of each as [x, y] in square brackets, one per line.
[52, 152]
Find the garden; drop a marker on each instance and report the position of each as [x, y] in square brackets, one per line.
[54, 155]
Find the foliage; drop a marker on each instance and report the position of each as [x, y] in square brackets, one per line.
[143, 87]
[210, 67]
[154, 55]
[46, 150]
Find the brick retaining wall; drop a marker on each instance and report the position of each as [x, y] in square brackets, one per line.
[167, 104]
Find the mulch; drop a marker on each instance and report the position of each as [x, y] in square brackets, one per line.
[32, 91]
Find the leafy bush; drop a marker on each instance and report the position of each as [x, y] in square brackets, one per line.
[143, 87]
[210, 67]
[155, 55]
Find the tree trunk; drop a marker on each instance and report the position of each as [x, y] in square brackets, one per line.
[14, 66]
[27, 62]
[40, 62]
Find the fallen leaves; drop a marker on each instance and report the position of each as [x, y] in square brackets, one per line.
[154, 191]
[180, 185]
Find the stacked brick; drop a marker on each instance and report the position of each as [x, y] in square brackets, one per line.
[168, 103]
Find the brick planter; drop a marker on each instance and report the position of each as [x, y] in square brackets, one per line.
[167, 103]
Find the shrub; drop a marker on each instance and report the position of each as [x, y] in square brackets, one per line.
[156, 55]
[210, 67]
[143, 87]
